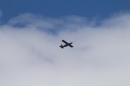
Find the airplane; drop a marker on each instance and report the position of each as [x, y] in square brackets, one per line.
[66, 44]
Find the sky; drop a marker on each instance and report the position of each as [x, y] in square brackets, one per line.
[31, 32]
[59, 8]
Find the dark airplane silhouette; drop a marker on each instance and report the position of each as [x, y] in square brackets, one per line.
[66, 44]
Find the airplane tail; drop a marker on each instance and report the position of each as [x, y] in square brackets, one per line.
[62, 46]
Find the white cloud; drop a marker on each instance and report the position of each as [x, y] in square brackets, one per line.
[31, 56]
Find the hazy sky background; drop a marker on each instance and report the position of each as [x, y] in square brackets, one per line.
[31, 33]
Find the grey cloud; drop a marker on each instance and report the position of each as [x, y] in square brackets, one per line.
[30, 56]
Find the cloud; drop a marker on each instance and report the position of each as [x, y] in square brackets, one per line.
[30, 54]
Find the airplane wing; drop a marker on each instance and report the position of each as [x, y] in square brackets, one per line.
[64, 41]
[70, 45]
